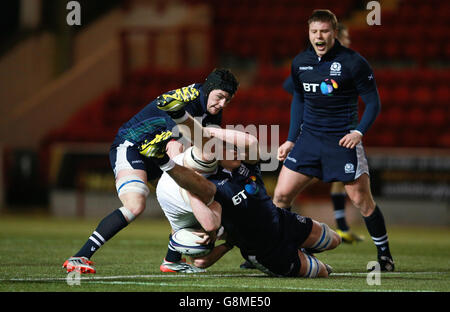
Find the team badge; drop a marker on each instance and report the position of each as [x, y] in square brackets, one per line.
[349, 168]
[335, 69]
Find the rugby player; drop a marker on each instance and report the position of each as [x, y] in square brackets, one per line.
[130, 150]
[276, 241]
[328, 78]
[183, 209]
[337, 190]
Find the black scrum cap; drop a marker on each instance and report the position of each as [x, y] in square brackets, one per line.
[221, 79]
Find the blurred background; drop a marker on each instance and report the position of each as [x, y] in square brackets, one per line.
[66, 89]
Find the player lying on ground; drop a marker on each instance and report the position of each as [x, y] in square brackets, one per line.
[183, 209]
[278, 242]
[133, 170]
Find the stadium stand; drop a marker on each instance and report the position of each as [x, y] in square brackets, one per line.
[414, 99]
[257, 39]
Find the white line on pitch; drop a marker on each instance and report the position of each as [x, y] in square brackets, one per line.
[194, 285]
[180, 275]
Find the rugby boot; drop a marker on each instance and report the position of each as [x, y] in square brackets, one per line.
[349, 237]
[247, 265]
[329, 268]
[179, 267]
[79, 264]
[386, 263]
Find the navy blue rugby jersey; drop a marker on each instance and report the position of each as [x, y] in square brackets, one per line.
[136, 128]
[329, 88]
[248, 213]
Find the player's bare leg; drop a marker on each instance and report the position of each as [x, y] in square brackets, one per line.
[312, 267]
[133, 201]
[361, 196]
[132, 191]
[289, 185]
[321, 238]
[338, 198]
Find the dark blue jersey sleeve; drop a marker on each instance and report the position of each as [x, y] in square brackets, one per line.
[373, 107]
[297, 104]
[365, 84]
[288, 85]
[297, 107]
[363, 77]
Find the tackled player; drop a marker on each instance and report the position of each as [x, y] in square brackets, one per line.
[276, 241]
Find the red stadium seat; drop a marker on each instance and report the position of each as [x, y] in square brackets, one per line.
[400, 95]
[422, 96]
[442, 95]
[416, 117]
[438, 117]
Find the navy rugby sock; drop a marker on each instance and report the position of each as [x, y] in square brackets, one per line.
[338, 200]
[172, 255]
[377, 230]
[107, 228]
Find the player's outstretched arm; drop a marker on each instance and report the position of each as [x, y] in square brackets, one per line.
[215, 255]
[208, 215]
[247, 145]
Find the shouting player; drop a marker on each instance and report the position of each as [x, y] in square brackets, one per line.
[337, 189]
[328, 78]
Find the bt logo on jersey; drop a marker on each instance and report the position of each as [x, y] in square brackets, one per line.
[237, 199]
[310, 87]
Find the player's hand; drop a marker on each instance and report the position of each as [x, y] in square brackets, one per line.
[207, 237]
[350, 140]
[284, 150]
[174, 148]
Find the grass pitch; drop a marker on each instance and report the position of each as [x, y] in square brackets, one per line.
[32, 250]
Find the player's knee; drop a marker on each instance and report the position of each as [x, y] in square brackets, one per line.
[337, 240]
[133, 193]
[281, 199]
[135, 207]
[363, 202]
[311, 267]
[357, 198]
[131, 184]
[328, 239]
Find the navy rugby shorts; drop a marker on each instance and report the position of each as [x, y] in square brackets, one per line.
[282, 259]
[125, 155]
[319, 155]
